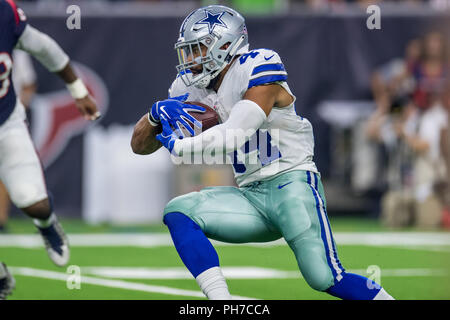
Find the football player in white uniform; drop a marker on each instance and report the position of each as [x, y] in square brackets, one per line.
[20, 168]
[271, 149]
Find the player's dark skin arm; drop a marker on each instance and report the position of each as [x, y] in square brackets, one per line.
[266, 96]
[67, 74]
[273, 95]
[144, 137]
[269, 96]
[86, 105]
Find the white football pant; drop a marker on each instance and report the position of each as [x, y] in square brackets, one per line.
[20, 168]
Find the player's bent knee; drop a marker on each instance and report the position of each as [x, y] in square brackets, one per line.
[312, 263]
[183, 204]
[318, 276]
[26, 195]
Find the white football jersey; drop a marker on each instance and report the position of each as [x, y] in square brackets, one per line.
[283, 143]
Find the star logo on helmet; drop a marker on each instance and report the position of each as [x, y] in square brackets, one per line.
[212, 20]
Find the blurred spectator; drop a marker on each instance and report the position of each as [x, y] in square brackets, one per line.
[396, 203]
[24, 79]
[392, 82]
[430, 74]
[410, 130]
[445, 149]
[421, 132]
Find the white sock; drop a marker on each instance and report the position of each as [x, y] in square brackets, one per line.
[46, 222]
[383, 295]
[213, 284]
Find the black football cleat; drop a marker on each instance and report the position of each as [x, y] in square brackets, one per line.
[56, 243]
[7, 282]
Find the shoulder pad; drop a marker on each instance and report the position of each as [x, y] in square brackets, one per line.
[263, 66]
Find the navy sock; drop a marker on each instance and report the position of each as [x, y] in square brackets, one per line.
[354, 287]
[193, 247]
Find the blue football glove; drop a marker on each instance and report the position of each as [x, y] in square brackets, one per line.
[167, 137]
[176, 113]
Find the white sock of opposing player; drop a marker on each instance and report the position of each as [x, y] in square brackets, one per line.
[213, 284]
[383, 295]
[45, 223]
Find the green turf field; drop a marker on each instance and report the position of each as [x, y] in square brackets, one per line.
[140, 263]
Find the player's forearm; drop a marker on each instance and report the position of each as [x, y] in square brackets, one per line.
[245, 118]
[74, 84]
[144, 137]
[67, 74]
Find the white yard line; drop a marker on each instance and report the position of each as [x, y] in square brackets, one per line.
[403, 272]
[393, 238]
[46, 274]
[180, 273]
[146, 240]
[242, 272]
[426, 248]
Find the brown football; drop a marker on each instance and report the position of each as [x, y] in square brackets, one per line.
[209, 118]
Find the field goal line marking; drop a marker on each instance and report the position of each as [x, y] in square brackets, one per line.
[53, 275]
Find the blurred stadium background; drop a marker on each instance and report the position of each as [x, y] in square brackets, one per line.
[356, 85]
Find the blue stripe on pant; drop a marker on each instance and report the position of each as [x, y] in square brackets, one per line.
[348, 286]
[329, 226]
[331, 255]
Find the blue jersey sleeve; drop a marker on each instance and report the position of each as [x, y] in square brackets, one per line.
[262, 66]
[12, 25]
[13, 18]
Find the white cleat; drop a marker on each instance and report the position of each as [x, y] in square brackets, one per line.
[56, 243]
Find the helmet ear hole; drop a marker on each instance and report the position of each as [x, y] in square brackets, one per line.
[225, 46]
